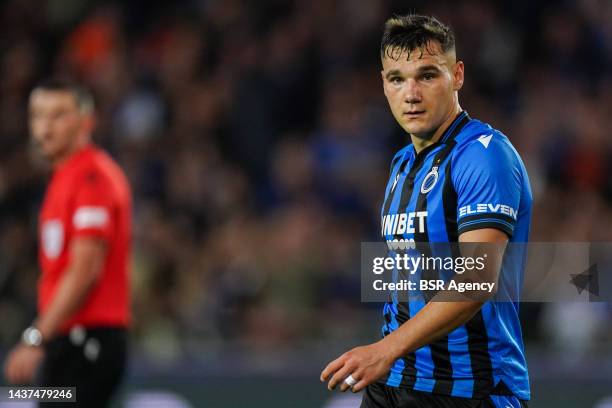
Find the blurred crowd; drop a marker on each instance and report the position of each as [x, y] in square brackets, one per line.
[257, 140]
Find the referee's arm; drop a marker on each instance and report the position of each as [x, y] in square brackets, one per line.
[87, 256]
[87, 260]
[368, 363]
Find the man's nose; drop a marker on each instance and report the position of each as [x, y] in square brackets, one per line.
[413, 93]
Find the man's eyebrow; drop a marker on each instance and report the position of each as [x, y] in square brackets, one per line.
[393, 72]
[429, 68]
[420, 70]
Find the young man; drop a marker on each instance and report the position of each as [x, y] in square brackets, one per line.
[84, 247]
[443, 354]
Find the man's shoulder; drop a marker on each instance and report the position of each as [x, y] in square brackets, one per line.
[99, 171]
[477, 131]
[480, 141]
[102, 164]
[400, 153]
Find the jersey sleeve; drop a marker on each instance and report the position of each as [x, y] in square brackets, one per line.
[93, 206]
[487, 180]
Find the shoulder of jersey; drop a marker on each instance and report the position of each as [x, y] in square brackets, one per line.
[400, 153]
[481, 138]
[98, 167]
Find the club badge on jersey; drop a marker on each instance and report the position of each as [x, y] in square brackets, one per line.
[52, 238]
[430, 180]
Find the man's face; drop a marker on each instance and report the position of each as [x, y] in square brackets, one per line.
[422, 90]
[55, 122]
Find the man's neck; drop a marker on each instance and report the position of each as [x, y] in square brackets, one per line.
[65, 156]
[421, 143]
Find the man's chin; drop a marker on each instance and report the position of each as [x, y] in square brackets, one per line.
[47, 154]
[422, 132]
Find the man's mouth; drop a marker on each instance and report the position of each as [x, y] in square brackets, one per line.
[414, 113]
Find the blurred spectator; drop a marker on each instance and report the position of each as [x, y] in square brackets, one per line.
[256, 137]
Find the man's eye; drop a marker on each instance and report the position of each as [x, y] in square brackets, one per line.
[428, 76]
[396, 80]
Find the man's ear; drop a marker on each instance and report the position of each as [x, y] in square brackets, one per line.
[88, 123]
[458, 75]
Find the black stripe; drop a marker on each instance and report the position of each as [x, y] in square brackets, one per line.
[442, 360]
[461, 120]
[501, 389]
[449, 201]
[386, 330]
[458, 123]
[487, 224]
[423, 238]
[443, 369]
[478, 345]
[403, 308]
[403, 312]
[389, 197]
[480, 359]
[409, 184]
[440, 354]
[502, 217]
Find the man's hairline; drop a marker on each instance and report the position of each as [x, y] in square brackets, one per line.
[424, 49]
[446, 56]
[83, 110]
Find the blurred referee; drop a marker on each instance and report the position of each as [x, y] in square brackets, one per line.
[79, 337]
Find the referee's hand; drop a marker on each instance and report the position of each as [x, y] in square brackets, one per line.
[22, 363]
[364, 364]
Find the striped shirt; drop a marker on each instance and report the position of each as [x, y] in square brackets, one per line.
[472, 178]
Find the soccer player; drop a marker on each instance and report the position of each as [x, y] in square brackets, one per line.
[457, 174]
[79, 335]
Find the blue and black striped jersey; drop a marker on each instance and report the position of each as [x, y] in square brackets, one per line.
[471, 178]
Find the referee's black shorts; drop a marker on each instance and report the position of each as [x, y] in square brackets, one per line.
[379, 395]
[93, 360]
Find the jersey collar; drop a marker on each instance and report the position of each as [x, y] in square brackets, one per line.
[449, 134]
[74, 158]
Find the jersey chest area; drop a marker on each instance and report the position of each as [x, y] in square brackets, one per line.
[55, 219]
[58, 201]
[419, 204]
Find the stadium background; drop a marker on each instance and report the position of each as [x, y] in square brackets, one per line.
[257, 140]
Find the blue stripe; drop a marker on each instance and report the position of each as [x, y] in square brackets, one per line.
[460, 361]
[424, 362]
[425, 384]
[395, 378]
[463, 387]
